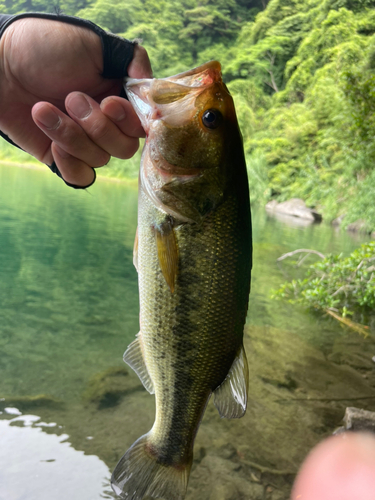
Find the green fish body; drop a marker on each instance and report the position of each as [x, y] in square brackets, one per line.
[193, 255]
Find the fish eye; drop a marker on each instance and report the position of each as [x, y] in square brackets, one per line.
[212, 118]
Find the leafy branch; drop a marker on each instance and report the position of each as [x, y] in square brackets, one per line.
[336, 285]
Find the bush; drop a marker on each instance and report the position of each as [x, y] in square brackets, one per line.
[342, 285]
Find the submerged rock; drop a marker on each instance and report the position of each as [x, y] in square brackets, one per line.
[25, 403]
[227, 451]
[223, 482]
[338, 221]
[294, 207]
[356, 419]
[105, 389]
[358, 226]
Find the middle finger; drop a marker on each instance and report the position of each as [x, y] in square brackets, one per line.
[101, 130]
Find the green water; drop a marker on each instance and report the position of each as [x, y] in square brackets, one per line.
[68, 309]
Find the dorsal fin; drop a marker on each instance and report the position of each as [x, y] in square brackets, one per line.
[230, 398]
[134, 358]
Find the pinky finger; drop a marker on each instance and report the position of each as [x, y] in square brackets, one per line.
[73, 170]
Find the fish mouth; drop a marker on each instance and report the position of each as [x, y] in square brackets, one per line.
[171, 99]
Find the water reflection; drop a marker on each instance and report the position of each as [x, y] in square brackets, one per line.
[39, 466]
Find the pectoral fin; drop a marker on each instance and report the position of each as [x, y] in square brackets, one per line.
[134, 358]
[230, 398]
[167, 252]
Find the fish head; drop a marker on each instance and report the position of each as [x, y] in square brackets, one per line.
[191, 132]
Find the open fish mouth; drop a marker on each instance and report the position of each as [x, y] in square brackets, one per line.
[171, 99]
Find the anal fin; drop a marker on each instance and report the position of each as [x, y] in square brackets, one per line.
[134, 358]
[230, 398]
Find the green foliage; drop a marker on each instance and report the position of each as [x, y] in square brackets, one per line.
[341, 284]
[18, 6]
[112, 15]
[120, 169]
[301, 73]
[315, 60]
[14, 155]
[260, 192]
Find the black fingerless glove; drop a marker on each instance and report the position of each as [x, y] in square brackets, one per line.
[117, 55]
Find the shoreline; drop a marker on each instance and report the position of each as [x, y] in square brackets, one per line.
[41, 168]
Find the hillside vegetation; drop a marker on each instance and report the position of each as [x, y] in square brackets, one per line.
[301, 72]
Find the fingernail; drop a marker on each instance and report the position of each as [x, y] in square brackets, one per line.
[79, 106]
[113, 110]
[48, 118]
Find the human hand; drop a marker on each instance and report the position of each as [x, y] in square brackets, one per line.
[340, 468]
[56, 105]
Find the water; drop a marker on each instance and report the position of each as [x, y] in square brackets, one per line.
[69, 307]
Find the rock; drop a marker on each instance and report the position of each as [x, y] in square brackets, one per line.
[294, 207]
[338, 221]
[359, 226]
[271, 205]
[223, 481]
[356, 419]
[279, 495]
[227, 451]
[26, 403]
[224, 491]
[106, 388]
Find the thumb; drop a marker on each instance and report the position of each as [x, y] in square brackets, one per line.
[340, 468]
[140, 67]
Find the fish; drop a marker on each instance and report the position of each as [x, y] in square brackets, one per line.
[193, 253]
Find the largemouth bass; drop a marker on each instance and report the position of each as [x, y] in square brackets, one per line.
[193, 255]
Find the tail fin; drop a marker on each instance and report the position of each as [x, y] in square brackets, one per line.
[139, 475]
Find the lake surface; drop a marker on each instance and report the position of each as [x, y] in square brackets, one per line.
[68, 309]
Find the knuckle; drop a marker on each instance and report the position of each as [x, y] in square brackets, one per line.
[71, 137]
[99, 130]
[79, 145]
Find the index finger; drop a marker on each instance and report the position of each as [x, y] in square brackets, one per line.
[121, 112]
[140, 66]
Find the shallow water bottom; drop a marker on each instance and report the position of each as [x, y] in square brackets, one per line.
[69, 307]
[298, 395]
